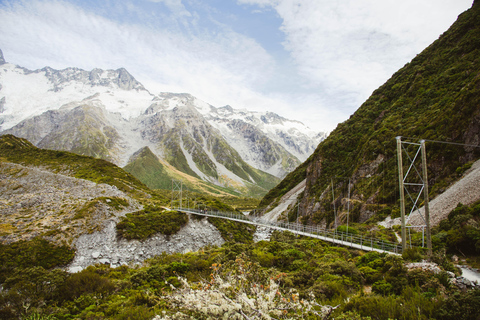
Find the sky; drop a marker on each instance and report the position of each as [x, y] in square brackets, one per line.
[315, 61]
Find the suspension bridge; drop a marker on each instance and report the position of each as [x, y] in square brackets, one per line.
[336, 237]
[348, 239]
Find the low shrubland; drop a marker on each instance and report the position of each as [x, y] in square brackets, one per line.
[286, 278]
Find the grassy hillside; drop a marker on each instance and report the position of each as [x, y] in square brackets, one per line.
[38, 202]
[148, 169]
[21, 151]
[156, 174]
[434, 97]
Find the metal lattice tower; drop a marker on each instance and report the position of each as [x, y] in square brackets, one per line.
[413, 182]
[176, 193]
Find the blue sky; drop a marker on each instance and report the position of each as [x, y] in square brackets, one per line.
[315, 61]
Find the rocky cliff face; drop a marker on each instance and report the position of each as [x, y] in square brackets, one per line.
[120, 78]
[265, 140]
[2, 59]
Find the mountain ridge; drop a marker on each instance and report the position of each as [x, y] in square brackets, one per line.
[109, 115]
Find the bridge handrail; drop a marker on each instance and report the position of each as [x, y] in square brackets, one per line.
[344, 237]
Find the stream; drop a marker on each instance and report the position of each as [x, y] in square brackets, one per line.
[470, 274]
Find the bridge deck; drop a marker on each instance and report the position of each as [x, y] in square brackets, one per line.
[340, 238]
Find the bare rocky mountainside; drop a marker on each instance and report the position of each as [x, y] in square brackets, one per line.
[107, 114]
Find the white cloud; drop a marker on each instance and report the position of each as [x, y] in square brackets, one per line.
[348, 48]
[218, 68]
[341, 50]
[175, 6]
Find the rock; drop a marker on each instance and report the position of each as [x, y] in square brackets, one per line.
[428, 266]
[2, 59]
[75, 269]
[105, 244]
[464, 281]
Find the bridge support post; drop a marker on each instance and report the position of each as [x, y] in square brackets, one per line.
[402, 194]
[425, 194]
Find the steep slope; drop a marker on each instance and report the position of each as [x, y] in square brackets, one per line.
[82, 128]
[36, 202]
[59, 195]
[147, 167]
[433, 97]
[464, 191]
[21, 151]
[189, 143]
[28, 93]
[77, 201]
[158, 174]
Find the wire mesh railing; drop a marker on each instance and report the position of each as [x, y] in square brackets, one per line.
[362, 242]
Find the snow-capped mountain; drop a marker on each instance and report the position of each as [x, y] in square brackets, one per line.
[110, 115]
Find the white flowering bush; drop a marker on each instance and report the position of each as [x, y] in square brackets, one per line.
[240, 291]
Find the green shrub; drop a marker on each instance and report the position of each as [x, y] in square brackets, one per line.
[460, 306]
[143, 224]
[418, 277]
[412, 254]
[329, 290]
[141, 312]
[351, 315]
[87, 282]
[36, 252]
[343, 228]
[233, 231]
[411, 304]
[266, 259]
[382, 287]
[370, 275]
[38, 316]
[32, 287]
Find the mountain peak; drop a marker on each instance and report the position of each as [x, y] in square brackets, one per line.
[2, 60]
[142, 153]
[272, 118]
[126, 81]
